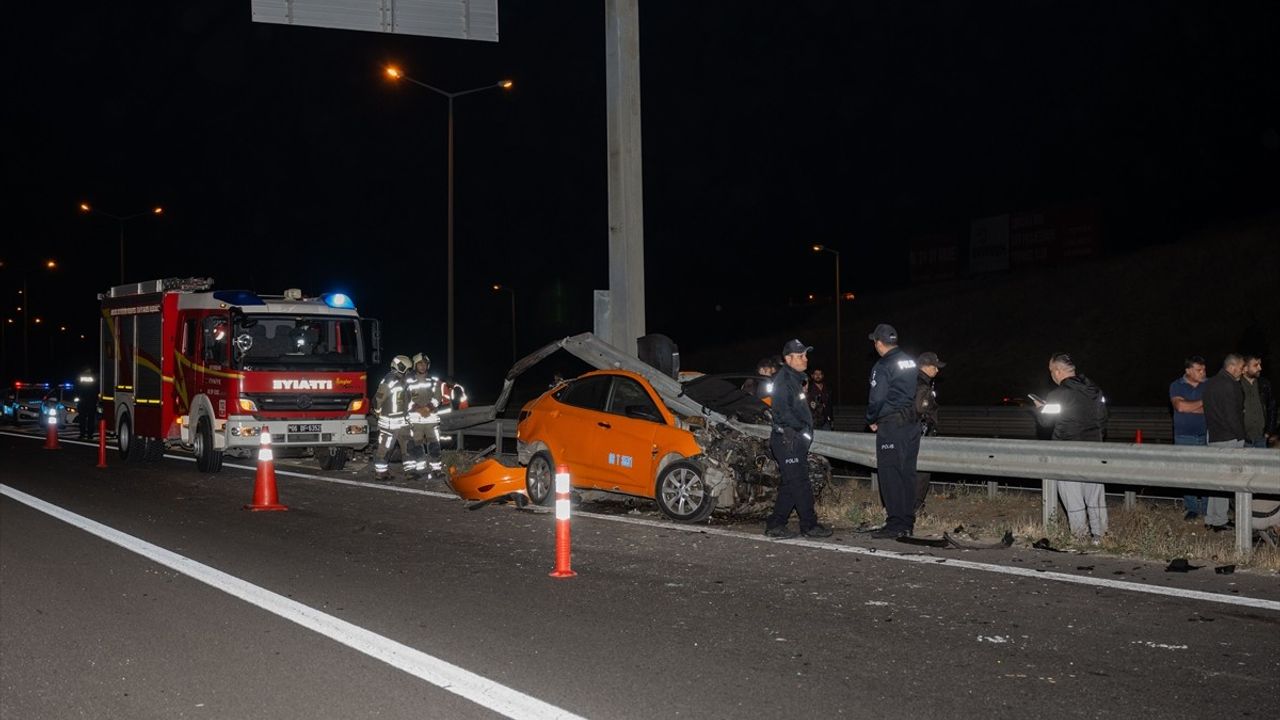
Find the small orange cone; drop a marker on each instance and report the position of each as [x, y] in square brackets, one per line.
[1137, 437]
[264, 484]
[51, 435]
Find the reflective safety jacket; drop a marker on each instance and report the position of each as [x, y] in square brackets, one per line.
[391, 401]
[425, 393]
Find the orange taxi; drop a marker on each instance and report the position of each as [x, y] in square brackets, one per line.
[615, 434]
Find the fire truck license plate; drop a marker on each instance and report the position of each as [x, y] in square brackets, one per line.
[304, 428]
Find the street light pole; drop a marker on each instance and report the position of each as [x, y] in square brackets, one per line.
[396, 74]
[121, 220]
[839, 301]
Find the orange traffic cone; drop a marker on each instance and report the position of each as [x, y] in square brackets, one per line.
[1137, 437]
[51, 435]
[264, 484]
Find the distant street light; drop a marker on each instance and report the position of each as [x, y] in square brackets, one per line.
[395, 73]
[25, 309]
[121, 219]
[839, 300]
[502, 288]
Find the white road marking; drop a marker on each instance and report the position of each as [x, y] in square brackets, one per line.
[830, 546]
[476, 688]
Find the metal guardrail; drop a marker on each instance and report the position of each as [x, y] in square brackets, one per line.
[1156, 423]
[1243, 472]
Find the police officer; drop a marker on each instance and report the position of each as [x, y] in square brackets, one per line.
[891, 414]
[425, 395]
[928, 365]
[391, 404]
[790, 440]
[1077, 410]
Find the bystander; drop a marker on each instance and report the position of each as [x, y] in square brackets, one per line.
[1224, 423]
[1188, 420]
[1259, 404]
[820, 400]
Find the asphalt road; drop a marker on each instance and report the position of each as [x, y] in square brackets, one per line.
[662, 621]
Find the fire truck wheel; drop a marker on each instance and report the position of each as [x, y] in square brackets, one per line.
[331, 458]
[208, 457]
[128, 443]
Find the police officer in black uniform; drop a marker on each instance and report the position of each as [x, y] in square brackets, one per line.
[891, 414]
[790, 440]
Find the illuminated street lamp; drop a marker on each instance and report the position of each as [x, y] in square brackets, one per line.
[839, 300]
[121, 219]
[503, 288]
[395, 73]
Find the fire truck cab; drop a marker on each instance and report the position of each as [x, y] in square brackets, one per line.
[210, 370]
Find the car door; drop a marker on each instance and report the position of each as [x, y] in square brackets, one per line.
[632, 419]
[574, 434]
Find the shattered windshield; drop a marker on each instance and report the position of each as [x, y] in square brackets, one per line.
[305, 342]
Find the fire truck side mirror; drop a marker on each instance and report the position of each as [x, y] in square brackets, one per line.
[244, 342]
[373, 331]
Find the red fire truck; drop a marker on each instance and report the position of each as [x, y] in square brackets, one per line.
[184, 364]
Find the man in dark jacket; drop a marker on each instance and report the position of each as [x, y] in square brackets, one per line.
[1077, 410]
[1224, 422]
[790, 440]
[1259, 404]
[820, 400]
[927, 408]
[891, 415]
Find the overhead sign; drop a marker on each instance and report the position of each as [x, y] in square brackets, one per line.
[459, 19]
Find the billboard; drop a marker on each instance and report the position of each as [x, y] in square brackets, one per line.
[934, 257]
[459, 19]
[1055, 234]
[989, 244]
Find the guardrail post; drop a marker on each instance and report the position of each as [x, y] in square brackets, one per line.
[993, 489]
[459, 440]
[1049, 501]
[1244, 523]
[875, 482]
[497, 435]
[1130, 499]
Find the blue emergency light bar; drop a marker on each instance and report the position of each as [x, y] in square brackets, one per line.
[238, 297]
[339, 300]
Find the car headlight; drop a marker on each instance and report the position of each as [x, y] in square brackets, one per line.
[248, 405]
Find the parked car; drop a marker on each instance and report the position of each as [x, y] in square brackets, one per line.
[28, 402]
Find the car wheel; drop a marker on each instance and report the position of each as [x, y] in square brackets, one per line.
[539, 479]
[682, 492]
[208, 457]
[331, 458]
[127, 442]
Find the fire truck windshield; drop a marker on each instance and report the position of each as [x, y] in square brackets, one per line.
[297, 343]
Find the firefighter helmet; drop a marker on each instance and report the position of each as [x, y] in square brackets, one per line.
[422, 357]
[400, 364]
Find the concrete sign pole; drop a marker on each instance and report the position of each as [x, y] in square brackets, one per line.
[626, 195]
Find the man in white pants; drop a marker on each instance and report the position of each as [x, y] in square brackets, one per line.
[1224, 422]
[1077, 410]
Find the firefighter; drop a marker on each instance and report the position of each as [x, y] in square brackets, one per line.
[425, 398]
[391, 405]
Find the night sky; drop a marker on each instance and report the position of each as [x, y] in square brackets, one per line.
[284, 158]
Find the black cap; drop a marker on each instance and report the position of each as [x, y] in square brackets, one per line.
[885, 334]
[795, 346]
[930, 358]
